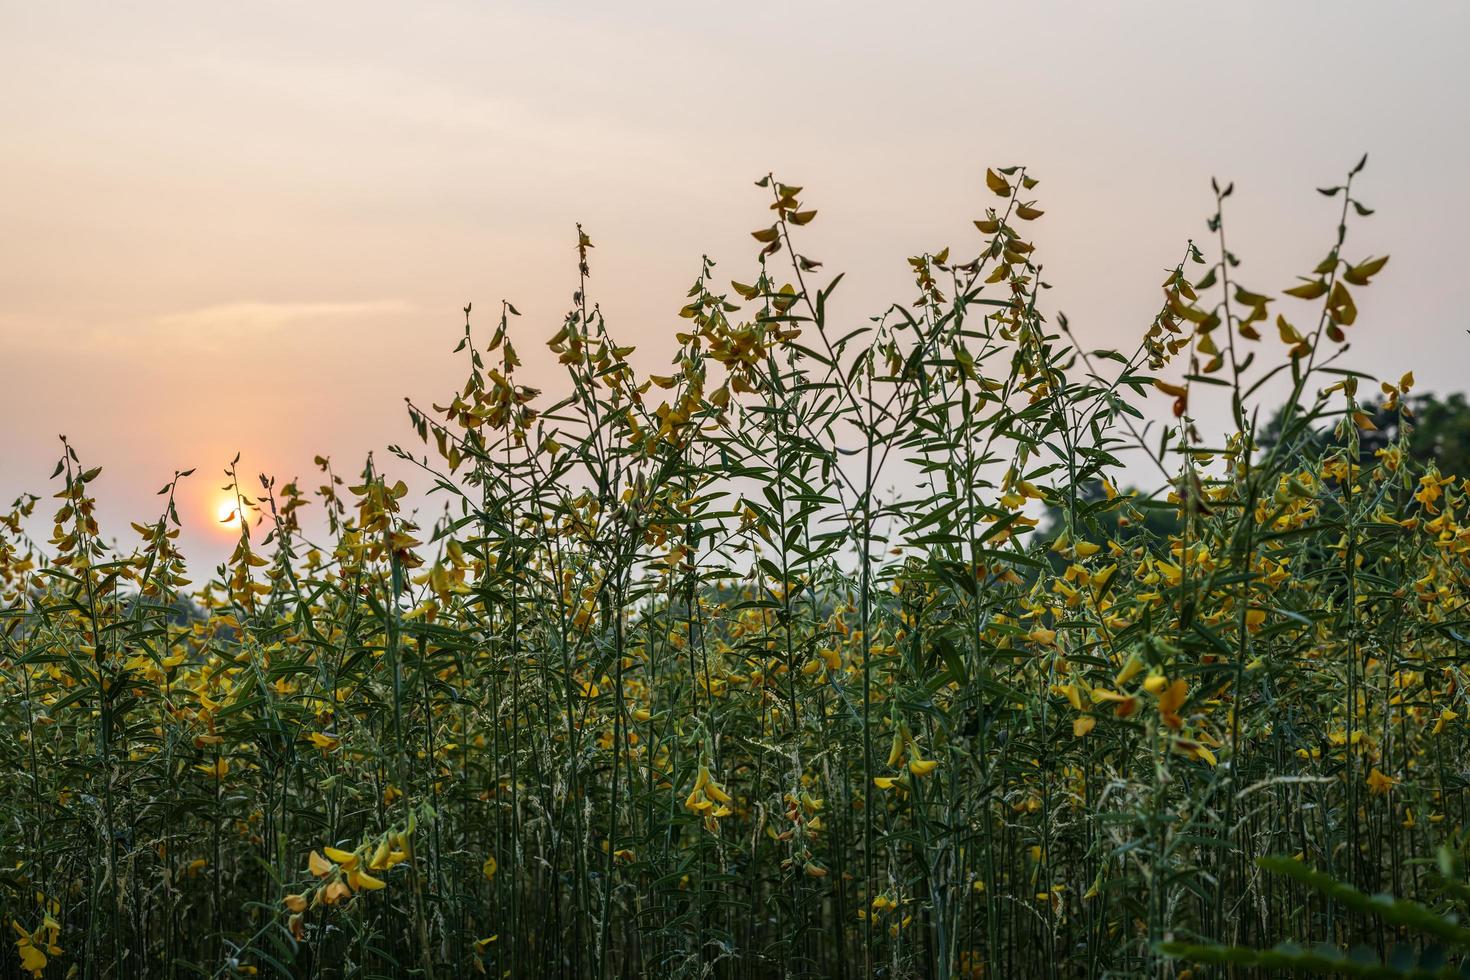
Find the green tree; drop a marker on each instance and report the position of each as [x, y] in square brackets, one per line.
[1437, 430]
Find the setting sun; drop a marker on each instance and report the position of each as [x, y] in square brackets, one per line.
[227, 513]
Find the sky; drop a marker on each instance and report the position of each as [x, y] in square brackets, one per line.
[251, 227]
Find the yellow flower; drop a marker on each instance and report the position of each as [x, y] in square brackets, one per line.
[217, 769]
[347, 859]
[1379, 783]
[1130, 670]
[1072, 694]
[703, 797]
[325, 742]
[1171, 699]
[713, 791]
[31, 957]
[365, 881]
[320, 866]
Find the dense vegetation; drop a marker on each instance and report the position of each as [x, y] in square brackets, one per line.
[760, 668]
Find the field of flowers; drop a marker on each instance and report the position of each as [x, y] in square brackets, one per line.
[834, 652]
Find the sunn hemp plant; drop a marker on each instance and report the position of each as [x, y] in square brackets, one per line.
[768, 666]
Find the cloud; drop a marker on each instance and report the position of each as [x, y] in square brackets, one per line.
[206, 330]
[234, 320]
[216, 329]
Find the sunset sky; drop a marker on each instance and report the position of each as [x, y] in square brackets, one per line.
[251, 227]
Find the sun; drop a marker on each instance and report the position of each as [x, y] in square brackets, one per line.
[227, 514]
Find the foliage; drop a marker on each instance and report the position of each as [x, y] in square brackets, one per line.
[677, 684]
[1448, 937]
